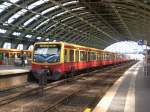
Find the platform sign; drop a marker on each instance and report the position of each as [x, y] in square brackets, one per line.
[141, 42]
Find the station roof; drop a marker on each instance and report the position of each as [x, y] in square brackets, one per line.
[96, 23]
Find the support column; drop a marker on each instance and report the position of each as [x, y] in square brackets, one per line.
[14, 45]
[25, 46]
[1, 43]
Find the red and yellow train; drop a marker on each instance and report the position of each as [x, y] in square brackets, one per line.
[60, 58]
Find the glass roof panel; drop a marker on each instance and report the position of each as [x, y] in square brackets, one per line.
[4, 6]
[57, 6]
[13, 1]
[3, 31]
[75, 9]
[28, 36]
[31, 47]
[47, 39]
[30, 20]
[51, 26]
[7, 45]
[42, 24]
[57, 15]
[35, 4]
[48, 10]
[23, 11]
[20, 47]
[38, 38]
[16, 33]
[16, 15]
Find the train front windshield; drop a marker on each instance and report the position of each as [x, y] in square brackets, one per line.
[46, 53]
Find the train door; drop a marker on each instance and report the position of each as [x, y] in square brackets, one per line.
[1, 58]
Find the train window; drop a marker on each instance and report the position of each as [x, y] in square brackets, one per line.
[77, 56]
[83, 56]
[93, 56]
[46, 53]
[1, 56]
[71, 54]
[104, 56]
[65, 55]
[100, 56]
[97, 56]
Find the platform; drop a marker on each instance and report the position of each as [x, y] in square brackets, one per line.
[130, 93]
[11, 76]
[7, 70]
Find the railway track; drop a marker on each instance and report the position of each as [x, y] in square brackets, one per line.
[34, 89]
[60, 105]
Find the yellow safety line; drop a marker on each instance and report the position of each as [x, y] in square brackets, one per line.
[87, 110]
[105, 102]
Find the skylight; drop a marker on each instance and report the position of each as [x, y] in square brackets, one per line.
[7, 45]
[20, 47]
[28, 36]
[127, 47]
[42, 24]
[30, 20]
[13, 1]
[2, 31]
[47, 39]
[64, 20]
[31, 47]
[16, 33]
[16, 15]
[57, 6]
[23, 11]
[48, 10]
[51, 26]
[75, 9]
[35, 4]
[4, 6]
[57, 15]
[38, 38]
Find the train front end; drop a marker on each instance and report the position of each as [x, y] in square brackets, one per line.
[47, 60]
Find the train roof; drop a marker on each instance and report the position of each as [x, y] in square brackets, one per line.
[75, 45]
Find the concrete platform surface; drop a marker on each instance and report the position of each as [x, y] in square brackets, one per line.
[10, 69]
[130, 93]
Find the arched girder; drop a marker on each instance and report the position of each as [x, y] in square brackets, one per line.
[134, 7]
[62, 33]
[85, 21]
[74, 36]
[33, 25]
[134, 11]
[45, 18]
[16, 29]
[74, 22]
[69, 23]
[135, 19]
[29, 15]
[12, 9]
[29, 4]
[82, 30]
[92, 33]
[48, 28]
[67, 34]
